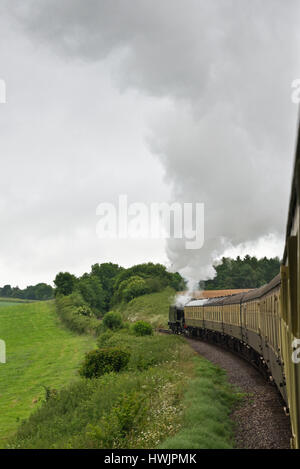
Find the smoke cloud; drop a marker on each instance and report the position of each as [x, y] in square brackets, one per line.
[223, 69]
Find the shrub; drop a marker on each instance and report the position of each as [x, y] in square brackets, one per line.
[142, 328]
[133, 287]
[104, 360]
[104, 338]
[112, 320]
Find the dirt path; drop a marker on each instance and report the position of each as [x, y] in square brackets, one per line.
[260, 422]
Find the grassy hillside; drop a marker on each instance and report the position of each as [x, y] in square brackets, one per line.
[167, 396]
[153, 308]
[40, 352]
[131, 409]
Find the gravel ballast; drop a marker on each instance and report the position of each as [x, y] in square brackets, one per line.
[260, 421]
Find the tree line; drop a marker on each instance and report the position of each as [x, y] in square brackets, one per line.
[40, 292]
[248, 272]
[108, 284]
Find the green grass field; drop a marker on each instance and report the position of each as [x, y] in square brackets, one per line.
[11, 301]
[40, 352]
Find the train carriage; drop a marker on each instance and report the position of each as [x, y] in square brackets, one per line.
[232, 316]
[290, 302]
[251, 319]
[213, 319]
[194, 313]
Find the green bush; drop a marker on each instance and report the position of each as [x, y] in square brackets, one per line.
[104, 338]
[130, 288]
[142, 328]
[112, 320]
[104, 360]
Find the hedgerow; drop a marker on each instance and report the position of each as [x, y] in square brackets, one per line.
[76, 314]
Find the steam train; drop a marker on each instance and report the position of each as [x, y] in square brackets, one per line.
[262, 325]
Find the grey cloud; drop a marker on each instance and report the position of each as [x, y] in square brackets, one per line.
[227, 137]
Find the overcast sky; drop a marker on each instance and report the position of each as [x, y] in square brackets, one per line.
[168, 100]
